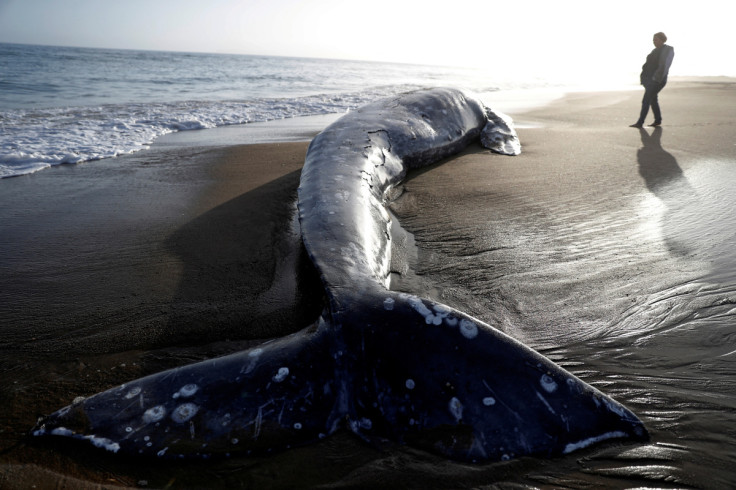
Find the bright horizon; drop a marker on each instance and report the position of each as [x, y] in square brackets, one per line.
[569, 39]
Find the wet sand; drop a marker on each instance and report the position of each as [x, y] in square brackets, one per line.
[601, 245]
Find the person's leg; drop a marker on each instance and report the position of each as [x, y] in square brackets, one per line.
[645, 102]
[654, 101]
[651, 98]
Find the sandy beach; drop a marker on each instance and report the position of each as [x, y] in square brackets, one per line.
[607, 248]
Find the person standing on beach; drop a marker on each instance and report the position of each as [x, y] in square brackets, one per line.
[654, 78]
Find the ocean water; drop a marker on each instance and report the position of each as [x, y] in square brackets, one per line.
[69, 105]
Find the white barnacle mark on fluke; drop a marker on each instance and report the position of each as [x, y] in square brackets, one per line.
[154, 414]
[549, 384]
[186, 391]
[418, 305]
[184, 412]
[104, 443]
[438, 314]
[281, 375]
[468, 329]
[252, 357]
[133, 393]
[368, 364]
[441, 310]
[574, 446]
[61, 431]
[456, 408]
[100, 442]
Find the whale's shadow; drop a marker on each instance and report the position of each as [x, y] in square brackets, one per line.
[245, 273]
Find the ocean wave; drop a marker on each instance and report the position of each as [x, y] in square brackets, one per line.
[34, 139]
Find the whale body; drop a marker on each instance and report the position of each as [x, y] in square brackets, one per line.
[385, 365]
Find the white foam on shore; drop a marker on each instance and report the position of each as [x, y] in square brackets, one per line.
[34, 139]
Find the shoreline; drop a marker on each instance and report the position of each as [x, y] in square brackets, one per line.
[187, 238]
[515, 102]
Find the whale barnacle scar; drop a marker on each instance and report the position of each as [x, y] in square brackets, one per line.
[382, 364]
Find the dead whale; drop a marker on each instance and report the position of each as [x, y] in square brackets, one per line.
[385, 365]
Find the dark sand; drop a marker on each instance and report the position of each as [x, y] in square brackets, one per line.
[116, 269]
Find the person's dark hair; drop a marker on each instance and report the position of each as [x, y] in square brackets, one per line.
[662, 36]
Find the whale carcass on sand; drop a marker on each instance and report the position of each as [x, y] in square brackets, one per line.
[385, 365]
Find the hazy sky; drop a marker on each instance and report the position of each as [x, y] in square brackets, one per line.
[538, 37]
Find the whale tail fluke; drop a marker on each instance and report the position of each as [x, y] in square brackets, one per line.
[405, 369]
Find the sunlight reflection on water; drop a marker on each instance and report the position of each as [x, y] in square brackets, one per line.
[712, 221]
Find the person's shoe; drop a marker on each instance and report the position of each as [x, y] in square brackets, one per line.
[636, 125]
[656, 123]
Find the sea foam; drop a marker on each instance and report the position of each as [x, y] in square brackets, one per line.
[33, 139]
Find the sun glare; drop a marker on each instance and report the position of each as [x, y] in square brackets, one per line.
[536, 38]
